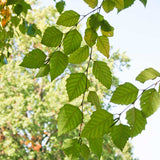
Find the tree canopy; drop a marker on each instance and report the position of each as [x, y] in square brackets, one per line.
[80, 66]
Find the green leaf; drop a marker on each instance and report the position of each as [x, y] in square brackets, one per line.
[85, 151]
[52, 37]
[92, 3]
[33, 30]
[58, 64]
[68, 18]
[15, 20]
[18, 9]
[60, 6]
[96, 145]
[34, 59]
[94, 99]
[72, 41]
[144, 2]
[43, 70]
[77, 84]
[69, 118]
[125, 94]
[103, 45]
[71, 148]
[80, 55]
[95, 21]
[100, 123]
[136, 120]
[150, 102]
[119, 4]
[147, 74]
[128, 3]
[108, 5]
[105, 26]
[90, 37]
[120, 135]
[102, 73]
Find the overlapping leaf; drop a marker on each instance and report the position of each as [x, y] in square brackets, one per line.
[72, 41]
[90, 37]
[125, 94]
[108, 5]
[147, 74]
[77, 83]
[68, 18]
[34, 59]
[58, 64]
[92, 3]
[100, 123]
[52, 37]
[150, 102]
[102, 73]
[96, 145]
[85, 151]
[80, 55]
[120, 135]
[72, 148]
[69, 118]
[43, 70]
[94, 99]
[103, 45]
[136, 120]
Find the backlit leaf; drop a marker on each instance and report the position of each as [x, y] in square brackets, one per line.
[68, 18]
[119, 4]
[150, 102]
[60, 6]
[94, 99]
[43, 70]
[103, 45]
[34, 59]
[108, 5]
[85, 151]
[102, 73]
[69, 118]
[72, 41]
[125, 94]
[98, 125]
[136, 120]
[147, 74]
[144, 2]
[80, 55]
[52, 37]
[92, 3]
[120, 135]
[96, 145]
[76, 85]
[71, 148]
[58, 64]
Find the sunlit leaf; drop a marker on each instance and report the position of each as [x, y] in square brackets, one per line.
[58, 64]
[102, 73]
[108, 5]
[34, 59]
[119, 4]
[147, 74]
[98, 125]
[69, 118]
[52, 37]
[80, 55]
[120, 135]
[150, 102]
[60, 6]
[136, 120]
[92, 3]
[77, 83]
[71, 148]
[94, 99]
[68, 18]
[43, 70]
[85, 151]
[125, 94]
[103, 45]
[96, 145]
[72, 41]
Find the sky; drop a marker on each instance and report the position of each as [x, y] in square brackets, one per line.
[137, 31]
